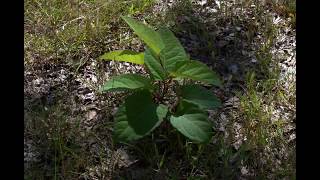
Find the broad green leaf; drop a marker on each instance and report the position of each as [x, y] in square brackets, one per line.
[196, 70]
[200, 96]
[154, 65]
[172, 52]
[146, 34]
[127, 81]
[124, 55]
[185, 107]
[195, 126]
[138, 117]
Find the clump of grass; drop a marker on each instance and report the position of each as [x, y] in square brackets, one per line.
[265, 137]
[285, 8]
[264, 132]
[56, 139]
[74, 31]
[140, 6]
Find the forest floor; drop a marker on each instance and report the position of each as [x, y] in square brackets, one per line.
[68, 123]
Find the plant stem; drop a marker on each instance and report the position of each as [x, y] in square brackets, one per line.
[177, 91]
[165, 88]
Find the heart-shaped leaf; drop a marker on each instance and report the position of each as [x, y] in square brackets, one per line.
[185, 107]
[138, 117]
[200, 96]
[194, 125]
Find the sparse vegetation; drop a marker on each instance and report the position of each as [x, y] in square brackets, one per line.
[69, 124]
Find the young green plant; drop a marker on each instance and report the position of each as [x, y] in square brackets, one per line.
[144, 109]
